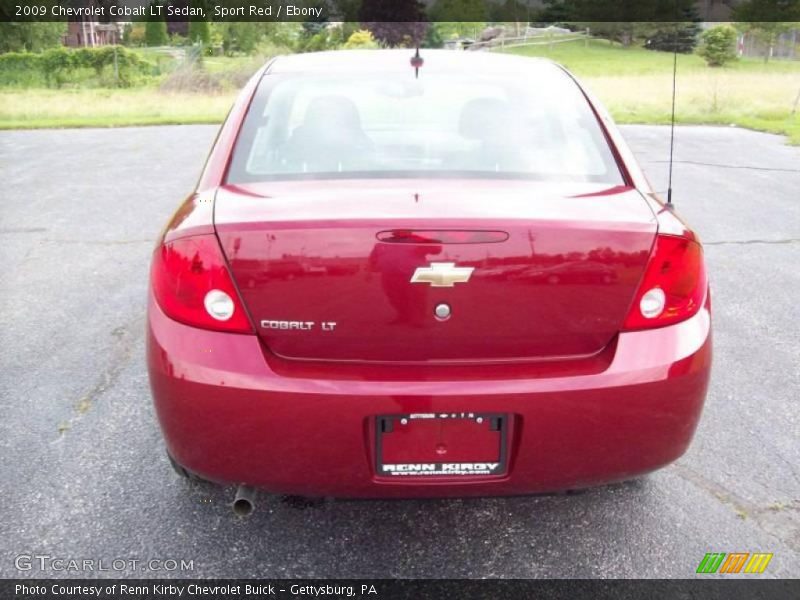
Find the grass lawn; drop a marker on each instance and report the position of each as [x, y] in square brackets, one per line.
[32, 109]
[635, 84]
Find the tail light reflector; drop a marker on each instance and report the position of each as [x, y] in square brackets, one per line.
[191, 283]
[674, 285]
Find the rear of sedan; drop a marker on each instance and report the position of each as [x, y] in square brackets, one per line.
[450, 280]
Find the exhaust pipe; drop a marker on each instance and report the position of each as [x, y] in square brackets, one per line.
[245, 500]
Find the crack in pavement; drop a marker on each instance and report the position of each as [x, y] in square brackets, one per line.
[123, 352]
[100, 242]
[23, 230]
[5, 231]
[746, 242]
[744, 167]
[776, 519]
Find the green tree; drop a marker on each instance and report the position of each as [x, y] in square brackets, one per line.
[553, 12]
[509, 11]
[473, 11]
[30, 37]
[346, 10]
[318, 42]
[199, 29]
[134, 34]
[316, 26]
[767, 19]
[155, 30]
[460, 18]
[339, 33]
[240, 36]
[433, 39]
[155, 33]
[680, 36]
[283, 34]
[718, 45]
[767, 32]
[624, 22]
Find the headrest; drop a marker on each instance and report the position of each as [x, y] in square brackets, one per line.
[332, 111]
[484, 118]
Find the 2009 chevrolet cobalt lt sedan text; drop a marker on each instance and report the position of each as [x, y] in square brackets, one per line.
[435, 276]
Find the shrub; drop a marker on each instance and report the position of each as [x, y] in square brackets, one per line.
[318, 42]
[191, 78]
[58, 66]
[718, 45]
[134, 34]
[361, 39]
[131, 67]
[21, 68]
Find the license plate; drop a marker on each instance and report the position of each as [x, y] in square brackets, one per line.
[441, 444]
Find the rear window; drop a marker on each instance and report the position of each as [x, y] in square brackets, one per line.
[533, 126]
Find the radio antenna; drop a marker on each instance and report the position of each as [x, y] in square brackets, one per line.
[417, 61]
[672, 120]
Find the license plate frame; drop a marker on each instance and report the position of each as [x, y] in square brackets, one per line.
[497, 424]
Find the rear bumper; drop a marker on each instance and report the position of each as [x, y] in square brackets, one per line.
[229, 416]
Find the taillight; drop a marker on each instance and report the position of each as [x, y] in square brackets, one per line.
[674, 285]
[192, 285]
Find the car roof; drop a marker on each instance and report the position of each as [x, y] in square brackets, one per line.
[399, 60]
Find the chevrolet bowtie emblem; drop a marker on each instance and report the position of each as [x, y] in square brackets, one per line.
[442, 274]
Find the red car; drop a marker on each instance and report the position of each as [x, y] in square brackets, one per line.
[341, 308]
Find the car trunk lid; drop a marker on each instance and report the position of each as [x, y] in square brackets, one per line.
[355, 270]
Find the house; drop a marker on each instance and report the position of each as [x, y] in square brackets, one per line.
[92, 33]
[88, 31]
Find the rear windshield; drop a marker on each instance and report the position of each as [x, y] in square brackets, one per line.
[534, 126]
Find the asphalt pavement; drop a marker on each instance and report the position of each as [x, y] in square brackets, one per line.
[84, 475]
